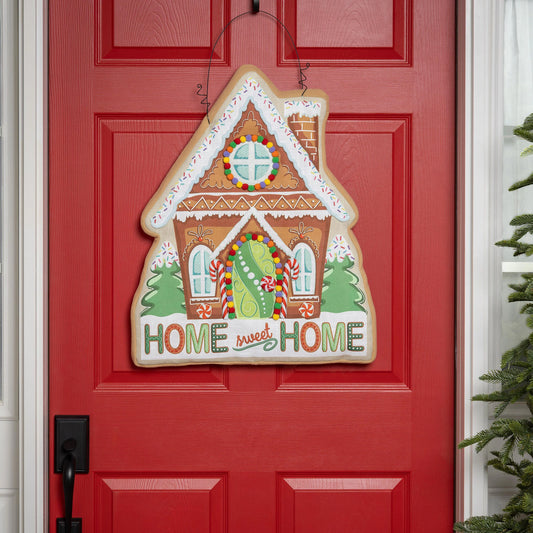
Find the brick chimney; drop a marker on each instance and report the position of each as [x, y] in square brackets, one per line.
[302, 118]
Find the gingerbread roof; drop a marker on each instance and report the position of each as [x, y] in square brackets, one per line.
[222, 129]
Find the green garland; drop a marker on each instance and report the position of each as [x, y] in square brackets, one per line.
[515, 380]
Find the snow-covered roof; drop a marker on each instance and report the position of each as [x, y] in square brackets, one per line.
[216, 140]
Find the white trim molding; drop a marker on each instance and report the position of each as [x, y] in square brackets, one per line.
[32, 266]
[479, 160]
[9, 212]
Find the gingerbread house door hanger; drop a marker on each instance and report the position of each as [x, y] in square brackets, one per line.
[254, 259]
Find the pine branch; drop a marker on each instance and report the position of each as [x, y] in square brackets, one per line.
[522, 183]
[514, 379]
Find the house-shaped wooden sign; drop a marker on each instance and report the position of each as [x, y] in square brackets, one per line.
[254, 259]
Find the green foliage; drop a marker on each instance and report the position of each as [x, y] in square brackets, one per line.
[339, 290]
[166, 295]
[514, 379]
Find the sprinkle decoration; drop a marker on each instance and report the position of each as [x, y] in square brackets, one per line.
[291, 270]
[305, 108]
[204, 311]
[268, 283]
[167, 256]
[307, 309]
[217, 138]
[217, 275]
[228, 280]
[338, 250]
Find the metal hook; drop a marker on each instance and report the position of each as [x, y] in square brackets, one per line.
[255, 7]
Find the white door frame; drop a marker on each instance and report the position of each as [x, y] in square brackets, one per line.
[479, 88]
[33, 391]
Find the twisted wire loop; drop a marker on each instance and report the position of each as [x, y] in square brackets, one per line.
[302, 78]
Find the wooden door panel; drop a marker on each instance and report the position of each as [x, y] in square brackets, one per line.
[310, 504]
[160, 32]
[180, 503]
[133, 151]
[364, 33]
[380, 184]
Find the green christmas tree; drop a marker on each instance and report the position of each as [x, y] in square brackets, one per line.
[340, 292]
[514, 378]
[166, 295]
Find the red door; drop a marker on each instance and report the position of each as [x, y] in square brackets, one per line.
[338, 448]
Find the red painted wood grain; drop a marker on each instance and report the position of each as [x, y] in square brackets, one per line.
[241, 449]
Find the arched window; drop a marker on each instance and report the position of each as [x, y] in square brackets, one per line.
[199, 279]
[305, 283]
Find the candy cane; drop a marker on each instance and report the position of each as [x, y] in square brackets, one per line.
[213, 270]
[216, 271]
[291, 270]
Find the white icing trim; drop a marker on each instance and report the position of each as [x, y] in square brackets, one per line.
[216, 140]
[256, 199]
[320, 214]
[259, 217]
[244, 195]
[305, 108]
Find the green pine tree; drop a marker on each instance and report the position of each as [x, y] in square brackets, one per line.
[166, 295]
[515, 384]
[339, 291]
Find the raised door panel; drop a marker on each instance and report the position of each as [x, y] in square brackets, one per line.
[142, 503]
[134, 152]
[319, 503]
[364, 33]
[370, 156]
[160, 32]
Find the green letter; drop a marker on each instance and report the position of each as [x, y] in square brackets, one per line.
[353, 336]
[327, 337]
[284, 335]
[153, 338]
[203, 338]
[215, 338]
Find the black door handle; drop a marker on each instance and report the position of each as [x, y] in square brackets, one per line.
[71, 457]
[69, 475]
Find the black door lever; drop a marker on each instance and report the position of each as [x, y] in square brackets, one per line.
[71, 457]
[69, 475]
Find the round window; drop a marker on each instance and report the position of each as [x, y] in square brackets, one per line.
[251, 162]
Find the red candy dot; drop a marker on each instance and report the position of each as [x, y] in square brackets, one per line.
[228, 281]
[264, 141]
[275, 254]
[227, 165]
[271, 177]
[245, 186]
[232, 252]
[254, 237]
[237, 141]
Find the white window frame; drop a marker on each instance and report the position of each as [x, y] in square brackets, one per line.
[204, 263]
[479, 164]
[304, 247]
